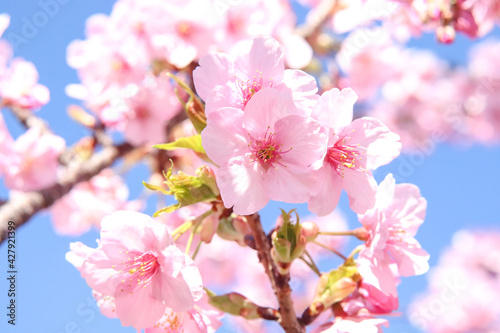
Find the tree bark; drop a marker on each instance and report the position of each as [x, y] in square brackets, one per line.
[23, 206]
[279, 282]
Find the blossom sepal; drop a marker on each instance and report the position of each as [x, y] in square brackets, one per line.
[335, 286]
[288, 242]
[194, 108]
[186, 189]
[238, 305]
[233, 228]
[191, 142]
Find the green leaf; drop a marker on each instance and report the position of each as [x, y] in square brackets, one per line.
[192, 142]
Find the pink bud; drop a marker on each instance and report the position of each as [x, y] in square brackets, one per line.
[445, 34]
[309, 230]
[361, 233]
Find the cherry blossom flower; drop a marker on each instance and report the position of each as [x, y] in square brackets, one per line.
[223, 81]
[353, 150]
[148, 109]
[19, 86]
[89, 202]
[33, 164]
[109, 56]
[269, 151]
[183, 31]
[391, 226]
[18, 79]
[481, 103]
[367, 67]
[138, 264]
[275, 18]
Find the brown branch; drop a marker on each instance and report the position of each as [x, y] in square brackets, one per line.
[279, 282]
[29, 120]
[317, 17]
[23, 207]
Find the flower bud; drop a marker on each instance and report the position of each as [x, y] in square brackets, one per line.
[233, 228]
[186, 189]
[336, 285]
[309, 230]
[207, 177]
[235, 304]
[288, 242]
[361, 233]
[194, 109]
[445, 34]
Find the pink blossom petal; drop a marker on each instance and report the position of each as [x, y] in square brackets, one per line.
[78, 254]
[377, 273]
[265, 108]
[99, 274]
[175, 286]
[304, 88]
[329, 190]
[240, 184]
[139, 309]
[306, 139]
[360, 187]
[382, 145]
[334, 108]
[224, 129]
[411, 206]
[214, 70]
[122, 231]
[265, 56]
[413, 260]
[282, 185]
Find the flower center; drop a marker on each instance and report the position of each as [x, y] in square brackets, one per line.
[343, 155]
[267, 151]
[184, 29]
[138, 271]
[249, 88]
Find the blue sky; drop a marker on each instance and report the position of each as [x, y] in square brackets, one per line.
[460, 183]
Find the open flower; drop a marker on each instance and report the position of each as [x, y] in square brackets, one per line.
[33, 161]
[354, 148]
[391, 250]
[266, 153]
[138, 264]
[222, 81]
[392, 225]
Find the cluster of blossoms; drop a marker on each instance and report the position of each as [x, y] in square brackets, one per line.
[31, 161]
[121, 50]
[407, 18]
[463, 287]
[19, 85]
[419, 96]
[283, 141]
[89, 202]
[270, 137]
[139, 275]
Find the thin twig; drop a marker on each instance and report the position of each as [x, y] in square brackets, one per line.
[330, 249]
[316, 18]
